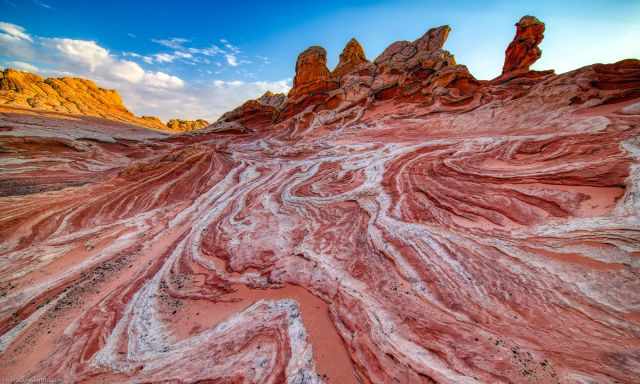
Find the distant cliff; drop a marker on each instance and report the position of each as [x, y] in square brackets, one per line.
[76, 96]
[186, 125]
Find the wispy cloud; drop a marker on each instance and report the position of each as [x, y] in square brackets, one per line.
[174, 42]
[209, 51]
[146, 59]
[263, 59]
[163, 58]
[230, 54]
[41, 4]
[13, 32]
[131, 35]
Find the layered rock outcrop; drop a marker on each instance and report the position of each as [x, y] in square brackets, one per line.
[422, 71]
[253, 114]
[419, 71]
[413, 225]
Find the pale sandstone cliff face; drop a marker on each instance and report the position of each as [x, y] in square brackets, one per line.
[407, 224]
[79, 97]
[68, 95]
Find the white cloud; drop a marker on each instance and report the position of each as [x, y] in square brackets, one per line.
[231, 60]
[22, 65]
[223, 84]
[163, 57]
[182, 55]
[127, 70]
[81, 51]
[174, 42]
[13, 32]
[211, 51]
[170, 57]
[163, 80]
[146, 59]
[193, 55]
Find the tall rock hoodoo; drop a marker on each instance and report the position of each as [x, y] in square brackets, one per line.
[352, 57]
[312, 74]
[523, 50]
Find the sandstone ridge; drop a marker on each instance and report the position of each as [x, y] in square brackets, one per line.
[418, 72]
[78, 96]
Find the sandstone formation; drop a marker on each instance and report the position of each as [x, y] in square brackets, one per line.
[351, 58]
[66, 94]
[312, 74]
[523, 50]
[253, 114]
[411, 225]
[77, 96]
[186, 125]
[418, 71]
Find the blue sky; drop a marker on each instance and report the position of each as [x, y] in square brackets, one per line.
[198, 59]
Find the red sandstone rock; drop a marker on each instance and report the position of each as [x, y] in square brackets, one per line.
[456, 231]
[351, 58]
[254, 114]
[523, 50]
[312, 75]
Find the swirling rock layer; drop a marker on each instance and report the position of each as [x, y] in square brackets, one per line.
[483, 232]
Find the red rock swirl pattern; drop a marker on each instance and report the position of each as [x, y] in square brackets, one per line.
[400, 247]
